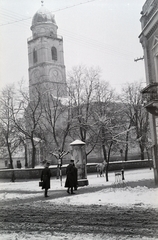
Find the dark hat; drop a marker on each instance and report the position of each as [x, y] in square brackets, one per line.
[71, 160]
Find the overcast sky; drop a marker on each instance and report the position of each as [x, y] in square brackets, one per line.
[98, 33]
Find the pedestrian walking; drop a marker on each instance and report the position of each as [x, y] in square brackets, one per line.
[70, 177]
[75, 177]
[45, 178]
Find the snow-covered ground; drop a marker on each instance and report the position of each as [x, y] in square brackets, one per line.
[63, 236]
[133, 192]
[117, 194]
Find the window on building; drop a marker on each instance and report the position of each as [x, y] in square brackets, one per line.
[155, 54]
[34, 55]
[54, 53]
[156, 66]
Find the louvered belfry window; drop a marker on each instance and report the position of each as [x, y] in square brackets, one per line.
[54, 53]
[34, 55]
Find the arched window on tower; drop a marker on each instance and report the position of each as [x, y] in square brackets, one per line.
[34, 55]
[54, 53]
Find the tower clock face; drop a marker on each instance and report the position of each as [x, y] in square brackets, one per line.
[55, 75]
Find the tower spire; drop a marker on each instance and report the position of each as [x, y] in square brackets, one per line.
[42, 2]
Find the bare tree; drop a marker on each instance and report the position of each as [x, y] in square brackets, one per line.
[32, 115]
[82, 83]
[96, 117]
[26, 117]
[9, 135]
[109, 122]
[103, 114]
[135, 116]
[109, 127]
[56, 121]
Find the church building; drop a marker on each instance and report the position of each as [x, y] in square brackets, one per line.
[47, 74]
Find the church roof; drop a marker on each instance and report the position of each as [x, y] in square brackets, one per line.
[43, 16]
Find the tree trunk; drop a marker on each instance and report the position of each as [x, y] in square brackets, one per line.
[33, 156]
[33, 153]
[107, 166]
[26, 162]
[126, 152]
[10, 156]
[142, 155]
[104, 152]
[127, 137]
[141, 151]
[126, 149]
[106, 174]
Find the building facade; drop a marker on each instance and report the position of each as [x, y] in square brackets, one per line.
[149, 41]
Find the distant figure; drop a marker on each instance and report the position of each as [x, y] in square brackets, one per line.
[70, 182]
[13, 177]
[101, 167]
[45, 177]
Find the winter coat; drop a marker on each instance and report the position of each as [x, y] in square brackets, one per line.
[71, 176]
[75, 176]
[45, 177]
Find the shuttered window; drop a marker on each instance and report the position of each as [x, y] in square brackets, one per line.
[34, 55]
[54, 53]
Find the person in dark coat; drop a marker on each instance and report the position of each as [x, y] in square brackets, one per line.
[75, 176]
[45, 178]
[70, 177]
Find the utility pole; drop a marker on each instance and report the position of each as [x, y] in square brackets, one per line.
[138, 59]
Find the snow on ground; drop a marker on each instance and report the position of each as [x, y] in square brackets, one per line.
[65, 236]
[117, 197]
[119, 194]
[128, 194]
[125, 194]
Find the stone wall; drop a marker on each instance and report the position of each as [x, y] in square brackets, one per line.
[91, 168]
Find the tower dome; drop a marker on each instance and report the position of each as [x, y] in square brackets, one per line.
[42, 16]
[43, 23]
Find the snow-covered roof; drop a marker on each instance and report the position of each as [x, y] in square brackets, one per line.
[77, 142]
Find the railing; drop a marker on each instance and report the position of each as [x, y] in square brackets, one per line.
[48, 36]
[150, 98]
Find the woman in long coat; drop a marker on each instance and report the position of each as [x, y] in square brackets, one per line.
[70, 182]
[45, 178]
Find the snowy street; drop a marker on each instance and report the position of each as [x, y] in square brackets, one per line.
[101, 210]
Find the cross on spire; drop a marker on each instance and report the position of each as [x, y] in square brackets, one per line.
[42, 3]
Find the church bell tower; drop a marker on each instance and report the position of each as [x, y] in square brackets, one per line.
[45, 56]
